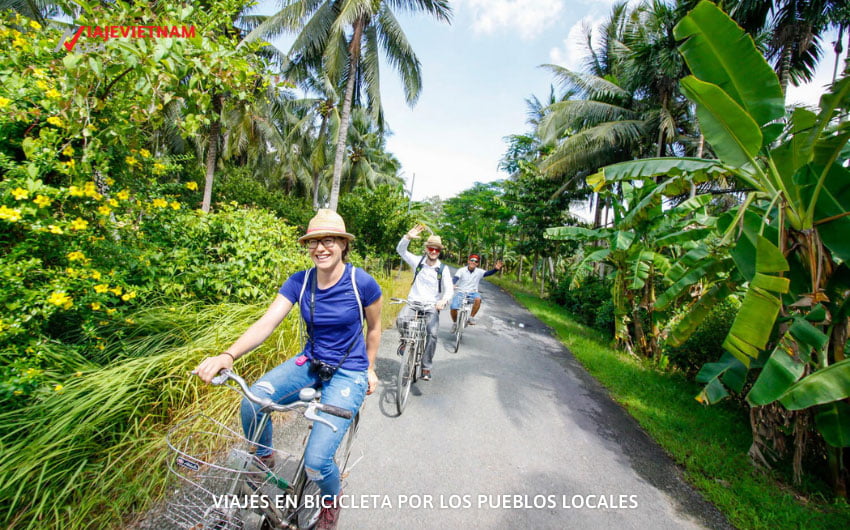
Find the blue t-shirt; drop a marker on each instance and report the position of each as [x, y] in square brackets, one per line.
[337, 325]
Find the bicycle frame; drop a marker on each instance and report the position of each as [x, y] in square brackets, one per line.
[412, 347]
[253, 494]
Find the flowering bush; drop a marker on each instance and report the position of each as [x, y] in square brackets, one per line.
[95, 219]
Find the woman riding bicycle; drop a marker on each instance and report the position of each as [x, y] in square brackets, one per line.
[336, 357]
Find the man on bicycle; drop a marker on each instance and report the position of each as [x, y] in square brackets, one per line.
[467, 280]
[431, 285]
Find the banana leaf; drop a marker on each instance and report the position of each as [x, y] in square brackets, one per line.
[696, 169]
[733, 134]
[833, 422]
[782, 370]
[727, 370]
[824, 386]
[718, 51]
[696, 314]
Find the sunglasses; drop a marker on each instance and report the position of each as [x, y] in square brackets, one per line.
[433, 249]
[474, 260]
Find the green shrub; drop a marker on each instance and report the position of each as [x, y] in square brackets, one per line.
[238, 185]
[590, 302]
[705, 344]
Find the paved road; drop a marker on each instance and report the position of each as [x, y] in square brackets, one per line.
[511, 432]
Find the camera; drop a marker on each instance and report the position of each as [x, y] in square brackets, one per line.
[322, 369]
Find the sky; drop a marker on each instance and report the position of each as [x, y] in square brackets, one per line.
[477, 73]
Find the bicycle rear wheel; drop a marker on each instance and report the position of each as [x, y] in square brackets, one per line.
[406, 375]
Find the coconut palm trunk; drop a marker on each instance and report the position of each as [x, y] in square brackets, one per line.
[212, 152]
[345, 116]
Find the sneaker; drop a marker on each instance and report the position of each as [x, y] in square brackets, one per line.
[426, 375]
[454, 327]
[470, 322]
[267, 460]
[328, 517]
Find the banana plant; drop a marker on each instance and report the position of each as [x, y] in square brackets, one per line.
[644, 243]
[789, 239]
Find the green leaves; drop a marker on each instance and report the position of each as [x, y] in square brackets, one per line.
[824, 386]
[718, 51]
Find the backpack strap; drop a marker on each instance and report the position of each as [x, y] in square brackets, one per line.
[439, 275]
[357, 295]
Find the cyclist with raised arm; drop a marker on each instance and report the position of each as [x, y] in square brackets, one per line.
[466, 281]
[334, 298]
[432, 285]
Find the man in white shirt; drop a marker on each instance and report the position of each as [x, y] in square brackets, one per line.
[432, 285]
[466, 281]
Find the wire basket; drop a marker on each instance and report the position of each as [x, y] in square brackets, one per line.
[220, 477]
[412, 327]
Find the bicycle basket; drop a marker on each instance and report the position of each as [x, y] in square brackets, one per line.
[219, 475]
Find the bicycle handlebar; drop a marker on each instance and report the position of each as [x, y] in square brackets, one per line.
[224, 375]
[415, 305]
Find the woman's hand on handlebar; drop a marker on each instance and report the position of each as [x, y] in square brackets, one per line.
[211, 366]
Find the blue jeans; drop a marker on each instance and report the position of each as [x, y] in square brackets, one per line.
[346, 389]
[457, 299]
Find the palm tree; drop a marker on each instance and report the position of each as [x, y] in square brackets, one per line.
[344, 37]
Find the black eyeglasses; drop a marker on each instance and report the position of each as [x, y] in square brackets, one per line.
[328, 243]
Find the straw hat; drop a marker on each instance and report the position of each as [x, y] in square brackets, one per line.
[325, 223]
[434, 241]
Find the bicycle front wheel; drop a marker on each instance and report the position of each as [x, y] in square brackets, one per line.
[406, 376]
[461, 323]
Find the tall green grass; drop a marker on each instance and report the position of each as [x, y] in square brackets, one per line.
[710, 443]
[92, 454]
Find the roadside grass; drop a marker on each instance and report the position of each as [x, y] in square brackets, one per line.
[710, 444]
[92, 454]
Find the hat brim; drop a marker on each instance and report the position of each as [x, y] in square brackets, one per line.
[318, 234]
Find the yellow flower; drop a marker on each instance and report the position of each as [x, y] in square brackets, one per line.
[192, 185]
[95, 275]
[160, 203]
[18, 392]
[72, 272]
[112, 202]
[110, 310]
[110, 181]
[131, 161]
[145, 153]
[175, 205]
[116, 290]
[39, 73]
[123, 195]
[53, 94]
[128, 296]
[73, 190]
[20, 193]
[101, 347]
[53, 229]
[42, 201]
[54, 120]
[104, 210]
[129, 321]
[79, 224]
[68, 151]
[34, 24]
[159, 168]
[78, 374]
[95, 306]
[76, 256]
[101, 288]
[4, 102]
[41, 84]
[58, 388]
[61, 299]
[9, 214]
